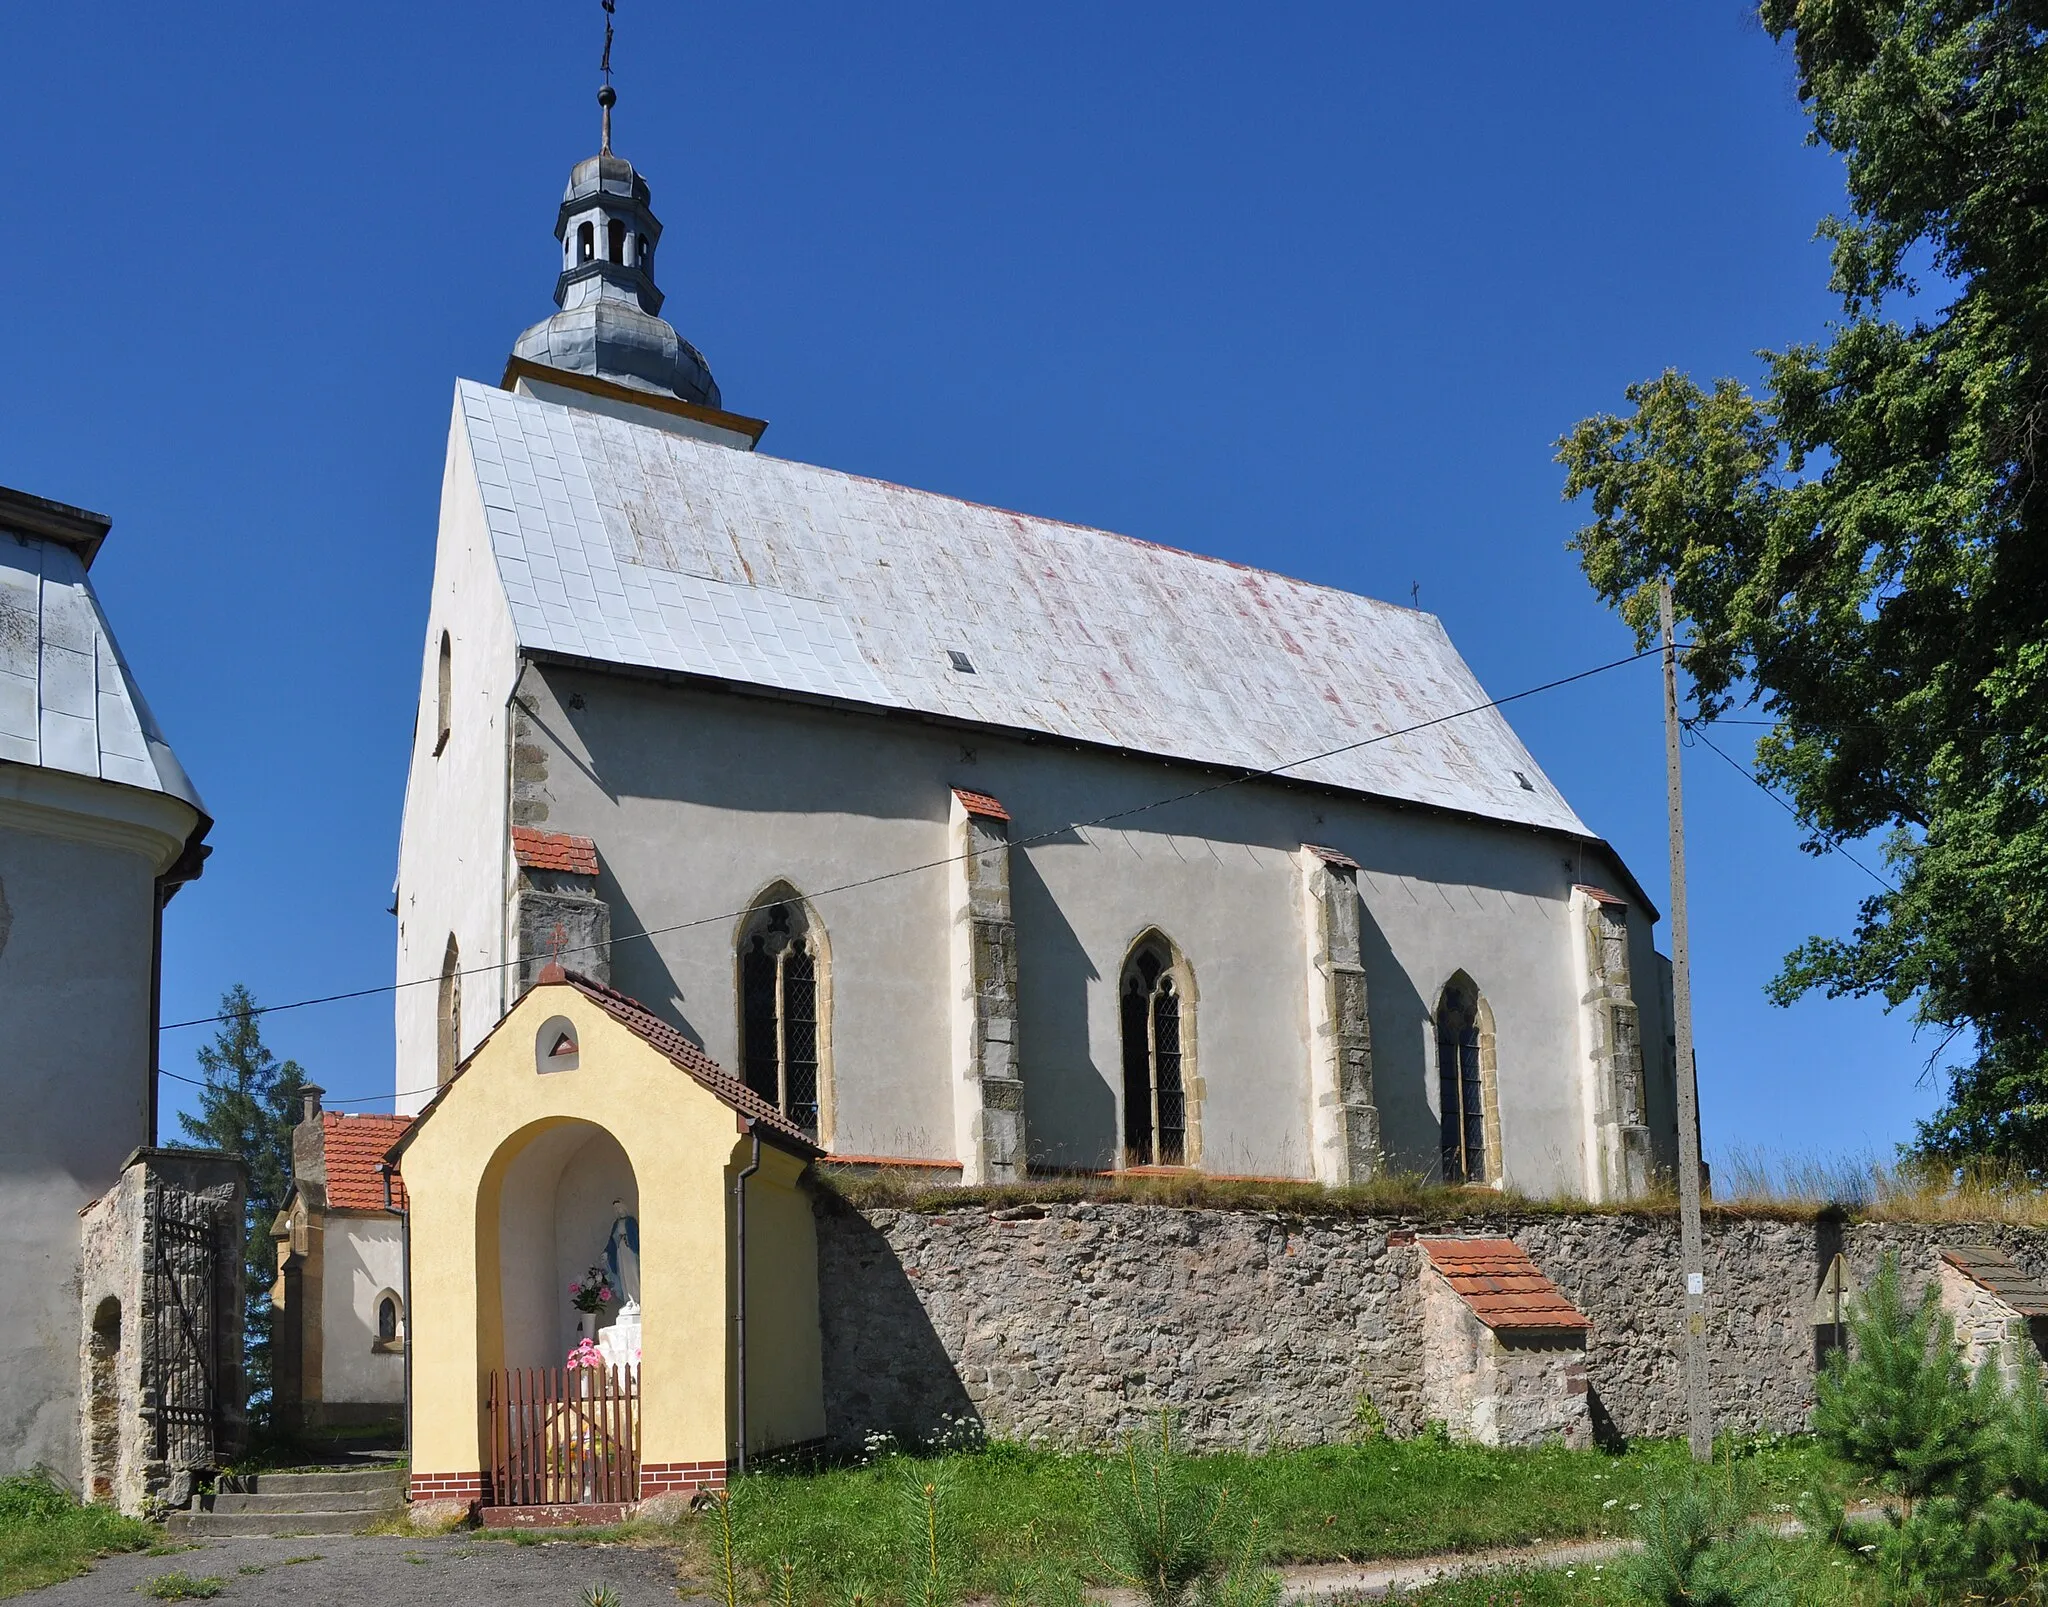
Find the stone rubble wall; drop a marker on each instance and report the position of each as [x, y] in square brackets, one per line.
[1070, 1324]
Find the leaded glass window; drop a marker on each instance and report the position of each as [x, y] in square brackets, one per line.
[1461, 1085]
[780, 1012]
[1155, 1094]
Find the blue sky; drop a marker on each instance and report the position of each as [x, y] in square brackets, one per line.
[1312, 288]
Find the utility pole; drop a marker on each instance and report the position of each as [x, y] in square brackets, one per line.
[1699, 1411]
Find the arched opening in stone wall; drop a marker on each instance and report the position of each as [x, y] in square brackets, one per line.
[103, 1401]
[1468, 1085]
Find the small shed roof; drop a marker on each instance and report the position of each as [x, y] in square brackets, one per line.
[1991, 1268]
[1496, 1278]
[554, 850]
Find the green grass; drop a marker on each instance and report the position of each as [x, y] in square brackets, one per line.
[183, 1587]
[45, 1536]
[1010, 1507]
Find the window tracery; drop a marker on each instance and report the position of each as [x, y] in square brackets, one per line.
[783, 1025]
[1467, 1085]
[1155, 1021]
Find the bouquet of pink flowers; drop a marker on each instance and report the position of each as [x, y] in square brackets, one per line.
[591, 1292]
[586, 1354]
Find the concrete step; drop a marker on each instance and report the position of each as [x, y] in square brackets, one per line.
[336, 1481]
[382, 1499]
[220, 1525]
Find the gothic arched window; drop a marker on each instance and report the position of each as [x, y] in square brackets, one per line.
[444, 693]
[1156, 1021]
[784, 1018]
[448, 1033]
[1467, 1085]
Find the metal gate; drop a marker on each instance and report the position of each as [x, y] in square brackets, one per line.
[180, 1392]
[565, 1436]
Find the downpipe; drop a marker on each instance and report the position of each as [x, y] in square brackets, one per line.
[739, 1301]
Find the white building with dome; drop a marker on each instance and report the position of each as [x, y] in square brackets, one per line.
[977, 841]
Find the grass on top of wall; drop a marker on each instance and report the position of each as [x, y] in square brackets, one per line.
[1747, 1185]
[45, 1536]
[1010, 1509]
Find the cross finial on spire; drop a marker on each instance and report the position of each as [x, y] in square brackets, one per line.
[607, 97]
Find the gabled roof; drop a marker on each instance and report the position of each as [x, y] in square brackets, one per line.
[665, 1040]
[355, 1147]
[1496, 1278]
[1990, 1268]
[67, 698]
[623, 544]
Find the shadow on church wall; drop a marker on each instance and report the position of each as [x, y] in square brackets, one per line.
[1409, 1131]
[1069, 1106]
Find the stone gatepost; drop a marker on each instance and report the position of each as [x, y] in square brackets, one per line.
[988, 1087]
[1345, 1122]
[162, 1398]
[1503, 1350]
[556, 913]
[1611, 1042]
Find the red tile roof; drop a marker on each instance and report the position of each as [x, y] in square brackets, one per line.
[1599, 895]
[1496, 1278]
[980, 803]
[554, 850]
[355, 1145]
[1332, 856]
[658, 1035]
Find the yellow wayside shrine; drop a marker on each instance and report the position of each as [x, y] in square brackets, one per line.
[587, 1155]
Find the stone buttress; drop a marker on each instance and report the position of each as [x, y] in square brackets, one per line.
[1345, 1122]
[1611, 1039]
[988, 1088]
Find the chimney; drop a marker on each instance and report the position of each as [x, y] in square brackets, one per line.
[309, 1141]
[310, 1093]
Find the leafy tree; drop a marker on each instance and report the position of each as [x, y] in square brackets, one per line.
[1862, 547]
[248, 1108]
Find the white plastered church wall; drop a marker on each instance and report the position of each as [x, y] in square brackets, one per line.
[698, 797]
[452, 870]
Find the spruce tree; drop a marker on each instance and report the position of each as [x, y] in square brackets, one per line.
[1902, 1410]
[248, 1108]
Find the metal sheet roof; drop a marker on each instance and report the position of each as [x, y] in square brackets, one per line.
[67, 698]
[633, 545]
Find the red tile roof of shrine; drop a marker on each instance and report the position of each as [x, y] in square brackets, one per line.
[355, 1146]
[1496, 1278]
[554, 850]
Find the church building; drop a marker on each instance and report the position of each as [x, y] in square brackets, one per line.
[975, 841]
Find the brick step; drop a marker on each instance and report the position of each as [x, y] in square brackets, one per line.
[327, 1483]
[222, 1525]
[382, 1499]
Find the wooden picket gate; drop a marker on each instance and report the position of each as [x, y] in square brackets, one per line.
[565, 1436]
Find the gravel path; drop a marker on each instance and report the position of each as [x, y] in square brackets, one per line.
[379, 1571]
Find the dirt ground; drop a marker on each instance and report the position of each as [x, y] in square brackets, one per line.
[378, 1571]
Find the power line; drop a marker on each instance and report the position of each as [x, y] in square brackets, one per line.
[1692, 728]
[937, 864]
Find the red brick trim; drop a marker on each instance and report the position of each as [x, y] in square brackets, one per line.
[446, 1487]
[665, 1478]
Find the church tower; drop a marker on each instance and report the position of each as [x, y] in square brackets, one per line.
[610, 325]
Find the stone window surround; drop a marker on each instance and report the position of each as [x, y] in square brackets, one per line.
[782, 892]
[1182, 976]
[1489, 1074]
[394, 1346]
